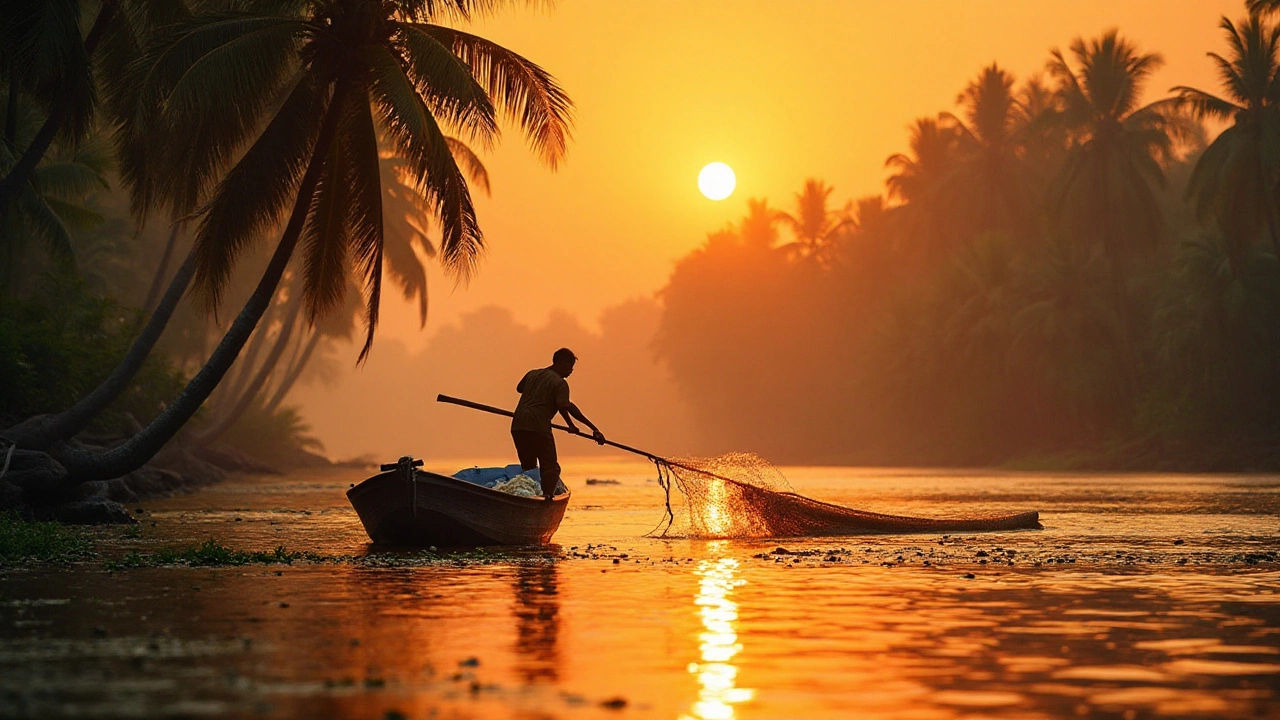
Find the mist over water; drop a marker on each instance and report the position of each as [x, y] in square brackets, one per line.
[388, 408]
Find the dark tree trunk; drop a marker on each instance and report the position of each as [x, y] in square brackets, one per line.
[42, 432]
[295, 372]
[11, 113]
[1273, 224]
[139, 449]
[157, 280]
[21, 171]
[243, 369]
[246, 397]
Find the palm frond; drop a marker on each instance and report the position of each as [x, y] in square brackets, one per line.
[1205, 105]
[446, 84]
[417, 138]
[73, 215]
[522, 90]
[256, 192]
[456, 10]
[67, 180]
[470, 163]
[325, 237]
[45, 223]
[405, 213]
[204, 85]
[47, 56]
[365, 220]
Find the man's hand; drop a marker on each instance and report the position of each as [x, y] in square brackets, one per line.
[598, 437]
[573, 429]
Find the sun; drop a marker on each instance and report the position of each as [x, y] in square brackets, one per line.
[717, 181]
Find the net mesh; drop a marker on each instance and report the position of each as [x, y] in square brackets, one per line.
[741, 495]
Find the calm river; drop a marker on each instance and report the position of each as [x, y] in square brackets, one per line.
[1143, 596]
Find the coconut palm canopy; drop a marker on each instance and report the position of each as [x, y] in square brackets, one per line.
[1106, 189]
[231, 109]
[1233, 182]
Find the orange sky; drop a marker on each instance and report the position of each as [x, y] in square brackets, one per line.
[780, 91]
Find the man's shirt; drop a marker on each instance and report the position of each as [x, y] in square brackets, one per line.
[543, 393]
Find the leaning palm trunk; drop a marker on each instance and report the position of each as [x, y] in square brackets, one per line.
[139, 449]
[245, 367]
[157, 281]
[292, 375]
[42, 432]
[247, 395]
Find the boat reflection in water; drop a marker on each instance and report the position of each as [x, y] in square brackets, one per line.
[717, 675]
[537, 611]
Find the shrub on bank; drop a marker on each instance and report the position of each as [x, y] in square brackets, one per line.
[60, 341]
[24, 541]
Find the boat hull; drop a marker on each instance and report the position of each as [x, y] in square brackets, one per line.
[447, 512]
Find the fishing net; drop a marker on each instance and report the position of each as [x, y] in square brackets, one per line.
[741, 495]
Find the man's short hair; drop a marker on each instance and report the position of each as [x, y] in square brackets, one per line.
[564, 355]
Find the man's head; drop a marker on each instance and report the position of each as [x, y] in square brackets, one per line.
[562, 362]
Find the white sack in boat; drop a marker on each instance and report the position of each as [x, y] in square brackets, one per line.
[521, 485]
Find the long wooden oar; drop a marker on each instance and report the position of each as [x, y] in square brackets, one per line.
[620, 446]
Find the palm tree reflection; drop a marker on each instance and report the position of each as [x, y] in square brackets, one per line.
[537, 613]
[717, 675]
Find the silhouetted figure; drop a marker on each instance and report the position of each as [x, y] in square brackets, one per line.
[543, 393]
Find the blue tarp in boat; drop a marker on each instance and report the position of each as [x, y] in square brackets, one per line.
[489, 477]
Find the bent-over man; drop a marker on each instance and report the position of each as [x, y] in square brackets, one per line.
[543, 393]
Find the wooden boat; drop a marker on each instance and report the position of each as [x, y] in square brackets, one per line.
[406, 506]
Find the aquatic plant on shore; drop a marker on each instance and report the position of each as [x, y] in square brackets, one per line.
[209, 554]
[23, 541]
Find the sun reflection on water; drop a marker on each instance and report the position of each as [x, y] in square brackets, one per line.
[716, 519]
[717, 675]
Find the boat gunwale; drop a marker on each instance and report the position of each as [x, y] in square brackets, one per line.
[427, 477]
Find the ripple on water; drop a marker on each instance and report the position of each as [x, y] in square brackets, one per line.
[1095, 616]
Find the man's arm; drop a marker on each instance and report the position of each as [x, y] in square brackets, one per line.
[570, 411]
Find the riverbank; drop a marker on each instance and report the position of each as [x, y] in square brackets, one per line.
[177, 469]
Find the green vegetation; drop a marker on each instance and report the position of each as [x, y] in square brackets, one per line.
[60, 340]
[1063, 273]
[24, 541]
[210, 554]
[339, 129]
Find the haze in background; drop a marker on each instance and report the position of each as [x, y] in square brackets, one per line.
[781, 93]
[389, 409]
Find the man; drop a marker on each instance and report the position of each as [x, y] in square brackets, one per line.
[543, 393]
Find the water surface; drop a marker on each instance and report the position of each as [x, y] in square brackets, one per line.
[1143, 596]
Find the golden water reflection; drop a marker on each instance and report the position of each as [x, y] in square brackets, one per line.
[716, 674]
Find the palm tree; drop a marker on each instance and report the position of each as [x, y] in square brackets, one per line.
[990, 187]
[932, 156]
[920, 176]
[46, 58]
[815, 226]
[1069, 334]
[1234, 182]
[1106, 189]
[1041, 135]
[405, 211]
[52, 203]
[1262, 6]
[269, 114]
[759, 229]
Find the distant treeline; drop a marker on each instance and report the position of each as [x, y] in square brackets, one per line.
[1059, 274]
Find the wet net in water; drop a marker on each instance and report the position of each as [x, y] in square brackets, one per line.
[741, 495]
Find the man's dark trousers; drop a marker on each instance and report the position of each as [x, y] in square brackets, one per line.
[538, 449]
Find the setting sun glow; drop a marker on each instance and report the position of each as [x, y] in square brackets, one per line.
[717, 181]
